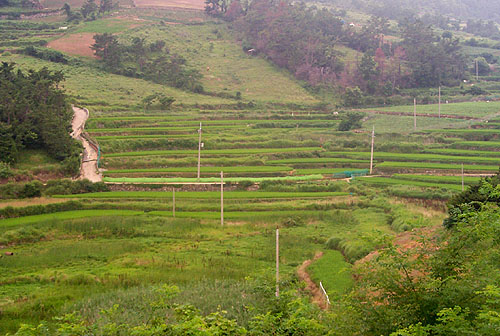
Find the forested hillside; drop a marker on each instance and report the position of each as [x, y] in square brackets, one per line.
[396, 9]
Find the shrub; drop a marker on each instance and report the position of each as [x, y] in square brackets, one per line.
[333, 243]
[31, 189]
[244, 185]
[293, 222]
[22, 235]
[11, 212]
[5, 171]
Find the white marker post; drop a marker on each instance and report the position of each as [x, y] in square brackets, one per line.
[221, 198]
[277, 262]
[371, 156]
[477, 71]
[199, 152]
[173, 202]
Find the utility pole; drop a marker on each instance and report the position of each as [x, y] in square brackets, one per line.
[414, 114]
[199, 152]
[371, 156]
[173, 202]
[477, 71]
[439, 104]
[462, 177]
[221, 198]
[277, 262]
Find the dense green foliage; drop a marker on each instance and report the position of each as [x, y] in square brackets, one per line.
[53, 187]
[34, 113]
[303, 38]
[149, 61]
[477, 196]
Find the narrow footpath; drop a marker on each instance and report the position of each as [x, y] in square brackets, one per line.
[317, 296]
[89, 169]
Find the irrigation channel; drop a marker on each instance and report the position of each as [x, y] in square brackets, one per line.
[89, 168]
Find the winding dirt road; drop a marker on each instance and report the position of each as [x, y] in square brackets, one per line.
[317, 296]
[89, 169]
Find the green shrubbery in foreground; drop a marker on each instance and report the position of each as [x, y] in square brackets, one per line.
[60, 187]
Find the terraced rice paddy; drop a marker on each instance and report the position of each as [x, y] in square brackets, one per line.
[257, 144]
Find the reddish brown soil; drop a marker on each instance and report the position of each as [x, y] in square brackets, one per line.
[74, 44]
[187, 4]
[317, 296]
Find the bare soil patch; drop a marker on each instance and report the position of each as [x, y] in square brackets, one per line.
[74, 44]
[32, 201]
[187, 4]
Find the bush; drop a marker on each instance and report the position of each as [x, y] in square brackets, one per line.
[5, 171]
[333, 243]
[293, 222]
[68, 187]
[22, 235]
[11, 212]
[350, 120]
[31, 189]
[244, 185]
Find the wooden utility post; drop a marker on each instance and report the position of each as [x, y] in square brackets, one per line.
[277, 262]
[439, 103]
[173, 202]
[477, 71]
[371, 156]
[199, 152]
[221, 198]
[462, 177]
[414, 114]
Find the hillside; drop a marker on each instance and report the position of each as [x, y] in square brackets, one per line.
[460, 9]
[260, 168]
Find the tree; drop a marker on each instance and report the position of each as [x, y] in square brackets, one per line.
[482, 66]
[106, 47]
[432, 61]
[234, 11]
[88, 9]
[105, 6]
[34, 113]
[353, 96]
[350, 120]
[67, 10]
[8, 149]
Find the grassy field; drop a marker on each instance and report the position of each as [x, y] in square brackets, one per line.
[95, 258]
[386, 181]
[469, 109]
[333, 272]
[428, 165]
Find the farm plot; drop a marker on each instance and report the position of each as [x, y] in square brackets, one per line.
[476, 110]
[109, 255]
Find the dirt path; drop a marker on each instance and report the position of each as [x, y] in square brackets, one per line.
[317, 296]
[89, 169]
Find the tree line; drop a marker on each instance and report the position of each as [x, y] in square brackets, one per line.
[90, 10]
[34, 113]
[150, 61]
